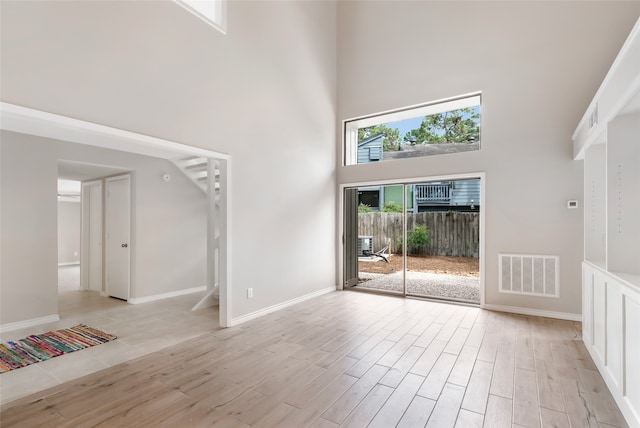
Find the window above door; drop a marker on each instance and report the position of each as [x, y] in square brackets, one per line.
[440, 127]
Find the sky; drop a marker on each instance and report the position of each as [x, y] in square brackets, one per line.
[406, 125]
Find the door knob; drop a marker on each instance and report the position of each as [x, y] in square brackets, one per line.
[124, 245]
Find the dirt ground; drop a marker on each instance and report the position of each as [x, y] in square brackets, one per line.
[459, 266]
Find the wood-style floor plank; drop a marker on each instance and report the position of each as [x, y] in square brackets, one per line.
[468, 419]
[392, 411]
[418, 413]
[475, 398]
[345, 360]
[350, 399]
[499, 412]
[447, 407]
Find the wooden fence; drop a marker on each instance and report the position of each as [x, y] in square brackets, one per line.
[450, 233]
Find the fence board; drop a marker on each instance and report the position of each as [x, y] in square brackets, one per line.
[450, 233]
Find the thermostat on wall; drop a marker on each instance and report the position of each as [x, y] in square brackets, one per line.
[572, 204]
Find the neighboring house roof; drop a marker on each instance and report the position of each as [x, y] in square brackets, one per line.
[409, 151]
[370, 140]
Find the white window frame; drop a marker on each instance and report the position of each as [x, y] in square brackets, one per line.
[350, 126]
[213, 12]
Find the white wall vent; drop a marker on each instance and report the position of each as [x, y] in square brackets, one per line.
[532, 275]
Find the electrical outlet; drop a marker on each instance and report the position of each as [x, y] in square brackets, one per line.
[249, 293]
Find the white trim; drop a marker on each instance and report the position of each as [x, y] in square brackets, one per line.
[138, 300]
[225, 245]
[533, 312]
[35, 122]
[68, 264]
[617, 90]
[610, 76]
[219, 18]
[277, 307]
[28, 323]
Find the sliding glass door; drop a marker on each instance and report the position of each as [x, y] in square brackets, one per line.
[414, 239]
[373, 235]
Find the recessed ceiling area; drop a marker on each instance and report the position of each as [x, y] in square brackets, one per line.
[79, 171]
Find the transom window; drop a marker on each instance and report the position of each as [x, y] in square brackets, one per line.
[441, 127]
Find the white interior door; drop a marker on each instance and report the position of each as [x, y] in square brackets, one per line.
[95, 238]
[118, 233]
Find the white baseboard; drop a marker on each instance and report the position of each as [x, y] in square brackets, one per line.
[270, 309]
[138, 300]
[68, 264]
[534, 312]
[28, 323]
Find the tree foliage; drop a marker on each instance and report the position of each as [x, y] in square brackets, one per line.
[391, 207]
[456, 126]
[417, 240]
[363, 208]
[391, 140]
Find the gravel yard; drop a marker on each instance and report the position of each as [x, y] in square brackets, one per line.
[455, 278]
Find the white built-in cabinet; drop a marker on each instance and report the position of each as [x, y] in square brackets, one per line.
[608, 139]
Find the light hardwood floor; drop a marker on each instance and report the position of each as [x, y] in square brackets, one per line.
[347, 359]
[141, 329]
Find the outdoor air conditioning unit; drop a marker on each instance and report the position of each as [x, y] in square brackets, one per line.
[365, 244]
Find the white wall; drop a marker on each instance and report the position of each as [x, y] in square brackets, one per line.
[68, 232]
[28, 243]
[265, 93]
[169, 225]
[537, 64]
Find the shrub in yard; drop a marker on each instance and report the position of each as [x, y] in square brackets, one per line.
[391, 207]
[364, 208]
[417, 240]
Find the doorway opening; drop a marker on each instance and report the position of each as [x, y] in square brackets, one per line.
[69, 214]
[34, 122]
[415, 238]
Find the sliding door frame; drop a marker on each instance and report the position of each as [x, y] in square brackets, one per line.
[404, 182]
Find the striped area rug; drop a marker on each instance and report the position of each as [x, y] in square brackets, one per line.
[41, 347]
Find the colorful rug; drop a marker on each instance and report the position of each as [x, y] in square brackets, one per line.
[41, 347]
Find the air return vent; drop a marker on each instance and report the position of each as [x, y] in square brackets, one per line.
[529, 274]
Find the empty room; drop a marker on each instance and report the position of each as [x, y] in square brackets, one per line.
[320, 213]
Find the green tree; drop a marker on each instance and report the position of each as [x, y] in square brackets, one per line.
[456, 126]
[391, 139]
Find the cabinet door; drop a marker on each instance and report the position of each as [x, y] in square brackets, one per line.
[600, 316]
[613, 337]
[631, 387]
[587, 304]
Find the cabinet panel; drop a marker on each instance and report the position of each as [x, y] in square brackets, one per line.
[595, 203]
[587, 304]
[614, 331]
[623, 194]
[632, 355]
[600, 316]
